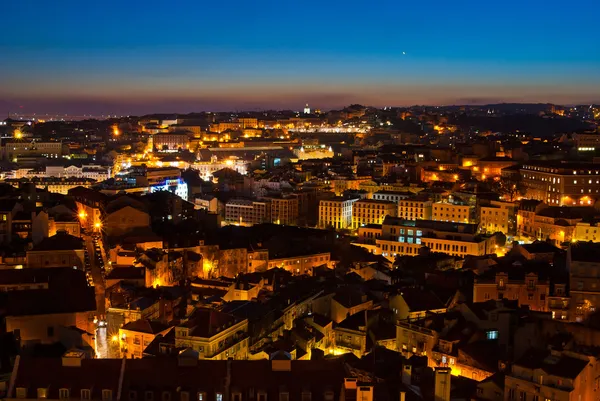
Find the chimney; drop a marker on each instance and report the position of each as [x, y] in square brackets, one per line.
[73, 358]
[442, 384]
[406, 374]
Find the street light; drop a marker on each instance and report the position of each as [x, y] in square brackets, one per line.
[82, 215]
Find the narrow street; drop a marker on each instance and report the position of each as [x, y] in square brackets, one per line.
[104, 347]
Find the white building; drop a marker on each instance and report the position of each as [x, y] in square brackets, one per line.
[92, 171]
[207, 169]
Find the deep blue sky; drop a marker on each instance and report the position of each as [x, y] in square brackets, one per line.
[131, 56]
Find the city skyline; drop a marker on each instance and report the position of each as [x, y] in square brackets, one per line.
[133, 59]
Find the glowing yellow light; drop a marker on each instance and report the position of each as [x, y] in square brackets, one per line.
[18, 134]
[156, 283]
[98, 225]
[229, 162]
[116, 131]
[82, 215]
[114, 338]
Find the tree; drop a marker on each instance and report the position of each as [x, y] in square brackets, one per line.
[510, 189]
[500, 238]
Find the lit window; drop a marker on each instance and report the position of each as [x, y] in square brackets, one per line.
[492, 335]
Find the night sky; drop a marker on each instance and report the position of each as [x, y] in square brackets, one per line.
[133, 57]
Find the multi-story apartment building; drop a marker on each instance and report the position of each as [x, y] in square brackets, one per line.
[369, 211]
[135, 336]
[554, 223]
[528, 290]
[336, 212]
[53, 184]
[224, 126]
[562, 184]
[170, 141]
[587, 142]
[398, 236]
[247, 212]
[302, 264]
[498, 217]
[417, 208]
[89, 171]
[18, 148]
[526, 216]
[248, 122]
[214, 335]
[543, 374]
[583, 261]
[284, 209]
[158, 176]
[453, 212]
[587, 232]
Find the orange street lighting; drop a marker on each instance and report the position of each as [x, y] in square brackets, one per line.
[82, 215]
[98, 225]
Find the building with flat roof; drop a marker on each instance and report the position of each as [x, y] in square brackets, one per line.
[370, 211]
[562, 184]
[336, 212]
[399, 236]
[247, 212]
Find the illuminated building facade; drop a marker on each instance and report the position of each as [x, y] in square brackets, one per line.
[562, 184]
[214, 335]
[530, 291]
[368, 211]
[207, 169]
[587, 232]
[53, 184]
[398, 236]
[176, 186]
[587, 142]
[303, 264]
[284, 210]
[171, 141]
[496, 217]
[584, 265]
[12, 150]
[557, 375]
[415, 209]
[247, 212]
[336, 212]
[452, 212]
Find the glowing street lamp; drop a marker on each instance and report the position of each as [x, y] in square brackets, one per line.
[82, 215]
